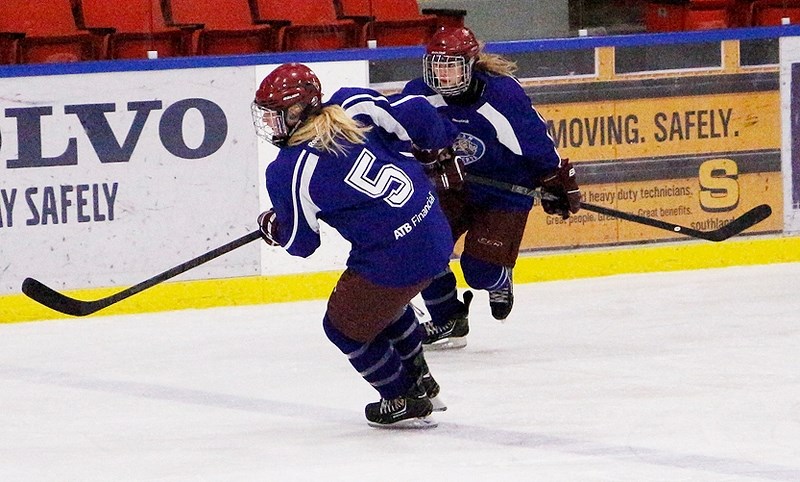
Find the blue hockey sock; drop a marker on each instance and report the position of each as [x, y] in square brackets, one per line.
[441, 297]
[377, 361]
[482, 275]
[406, 338]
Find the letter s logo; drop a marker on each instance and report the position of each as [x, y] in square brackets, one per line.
[719, 185]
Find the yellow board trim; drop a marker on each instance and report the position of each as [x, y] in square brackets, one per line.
[529, 269]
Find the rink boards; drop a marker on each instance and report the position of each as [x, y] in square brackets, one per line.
[110, 177]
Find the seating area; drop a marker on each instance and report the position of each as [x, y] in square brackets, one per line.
[313, 27]
[31, 34]
[86, 30]
[221, 30]
[396, 22]
[678, 15]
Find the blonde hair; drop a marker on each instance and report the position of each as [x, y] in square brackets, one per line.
[494, 64]
[328, 130]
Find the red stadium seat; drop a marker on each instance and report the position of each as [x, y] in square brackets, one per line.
[675, 15]
[665, 16]
[771, 12]
[228, 25]
[35, 32]
[10, 47]
[770, 16]
[709, 14]
[139, 27]
[743, 13]
[397, 22]
[309, 25]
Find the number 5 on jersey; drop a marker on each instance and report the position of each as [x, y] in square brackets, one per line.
[390, 182]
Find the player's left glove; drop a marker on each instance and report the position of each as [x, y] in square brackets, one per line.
[269, 227]
[443, 168]
[560, 192]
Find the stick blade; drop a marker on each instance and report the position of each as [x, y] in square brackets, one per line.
[43, 294]
[745, 221]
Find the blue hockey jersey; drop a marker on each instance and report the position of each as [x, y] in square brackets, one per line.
[502, 137]
[378, 199]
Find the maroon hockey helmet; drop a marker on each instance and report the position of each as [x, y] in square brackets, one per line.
[449, 56]
[285, 98]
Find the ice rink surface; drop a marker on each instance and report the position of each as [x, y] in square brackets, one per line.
[686, 376]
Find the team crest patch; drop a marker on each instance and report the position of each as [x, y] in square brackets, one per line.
[469, 148]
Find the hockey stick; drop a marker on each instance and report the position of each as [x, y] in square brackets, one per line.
[51, 298]
[746, 220]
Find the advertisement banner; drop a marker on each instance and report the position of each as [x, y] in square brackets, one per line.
[677, 201]
[636, 128]
[109, 178]
[697, 152]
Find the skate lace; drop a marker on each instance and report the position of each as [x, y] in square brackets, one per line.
[392, 405]
[500, 296]
[432, 329]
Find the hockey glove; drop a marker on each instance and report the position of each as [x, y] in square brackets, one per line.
[443, 168]
[560, 192]
[269, 227]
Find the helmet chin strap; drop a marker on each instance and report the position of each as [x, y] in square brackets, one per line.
[307, 112]
[292, 130]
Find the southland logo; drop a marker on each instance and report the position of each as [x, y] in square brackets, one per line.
[31, 135]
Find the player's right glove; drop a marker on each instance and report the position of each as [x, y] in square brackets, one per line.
[560, 192]
[269, 227]
[443, 167]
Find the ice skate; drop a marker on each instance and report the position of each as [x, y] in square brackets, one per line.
[452, 334]
[408, 411]
[501, 301]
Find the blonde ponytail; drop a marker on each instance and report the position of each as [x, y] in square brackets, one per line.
[494, 64]
[329, 129]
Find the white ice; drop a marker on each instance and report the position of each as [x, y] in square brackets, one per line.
[688, 376]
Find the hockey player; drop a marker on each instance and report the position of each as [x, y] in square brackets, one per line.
[503, 138]
[339, 162]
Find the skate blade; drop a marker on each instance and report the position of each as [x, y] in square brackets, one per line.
[421, 423]
[452, 343]
[438, 404]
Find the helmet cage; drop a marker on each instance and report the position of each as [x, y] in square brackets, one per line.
[448, 75]
[270, 124]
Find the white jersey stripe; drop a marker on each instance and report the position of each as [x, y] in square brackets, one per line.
[505, 133]
[310, 209]
[406, 98]
[436, 100]
[301, 195]
[380, 117]
[295, 213]
[351, 100]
